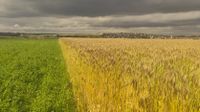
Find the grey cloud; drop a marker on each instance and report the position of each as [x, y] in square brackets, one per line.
[94, 7]
[144, 23]
[129, 24]
[151, 20]
[166, 16]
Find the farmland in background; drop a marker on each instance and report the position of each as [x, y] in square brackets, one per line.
[124, 75]
[33, 77]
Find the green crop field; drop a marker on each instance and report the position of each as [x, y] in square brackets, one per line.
[33, 77]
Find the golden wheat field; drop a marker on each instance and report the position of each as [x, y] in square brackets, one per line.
[126, 75]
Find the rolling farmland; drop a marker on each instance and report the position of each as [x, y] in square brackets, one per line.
[99, 75]
[33, 77]
[124, 75]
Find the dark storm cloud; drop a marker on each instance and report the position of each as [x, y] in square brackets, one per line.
[116, 7]
[95, 7]
[178, 16]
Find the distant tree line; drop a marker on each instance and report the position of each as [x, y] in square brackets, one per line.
[103, 35]
[147, 36]
[28, 35]
[9, 34]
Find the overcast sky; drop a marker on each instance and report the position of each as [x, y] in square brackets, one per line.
[95, 16]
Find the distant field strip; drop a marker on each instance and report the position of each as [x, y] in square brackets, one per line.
[33, 77]
[124, 75]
